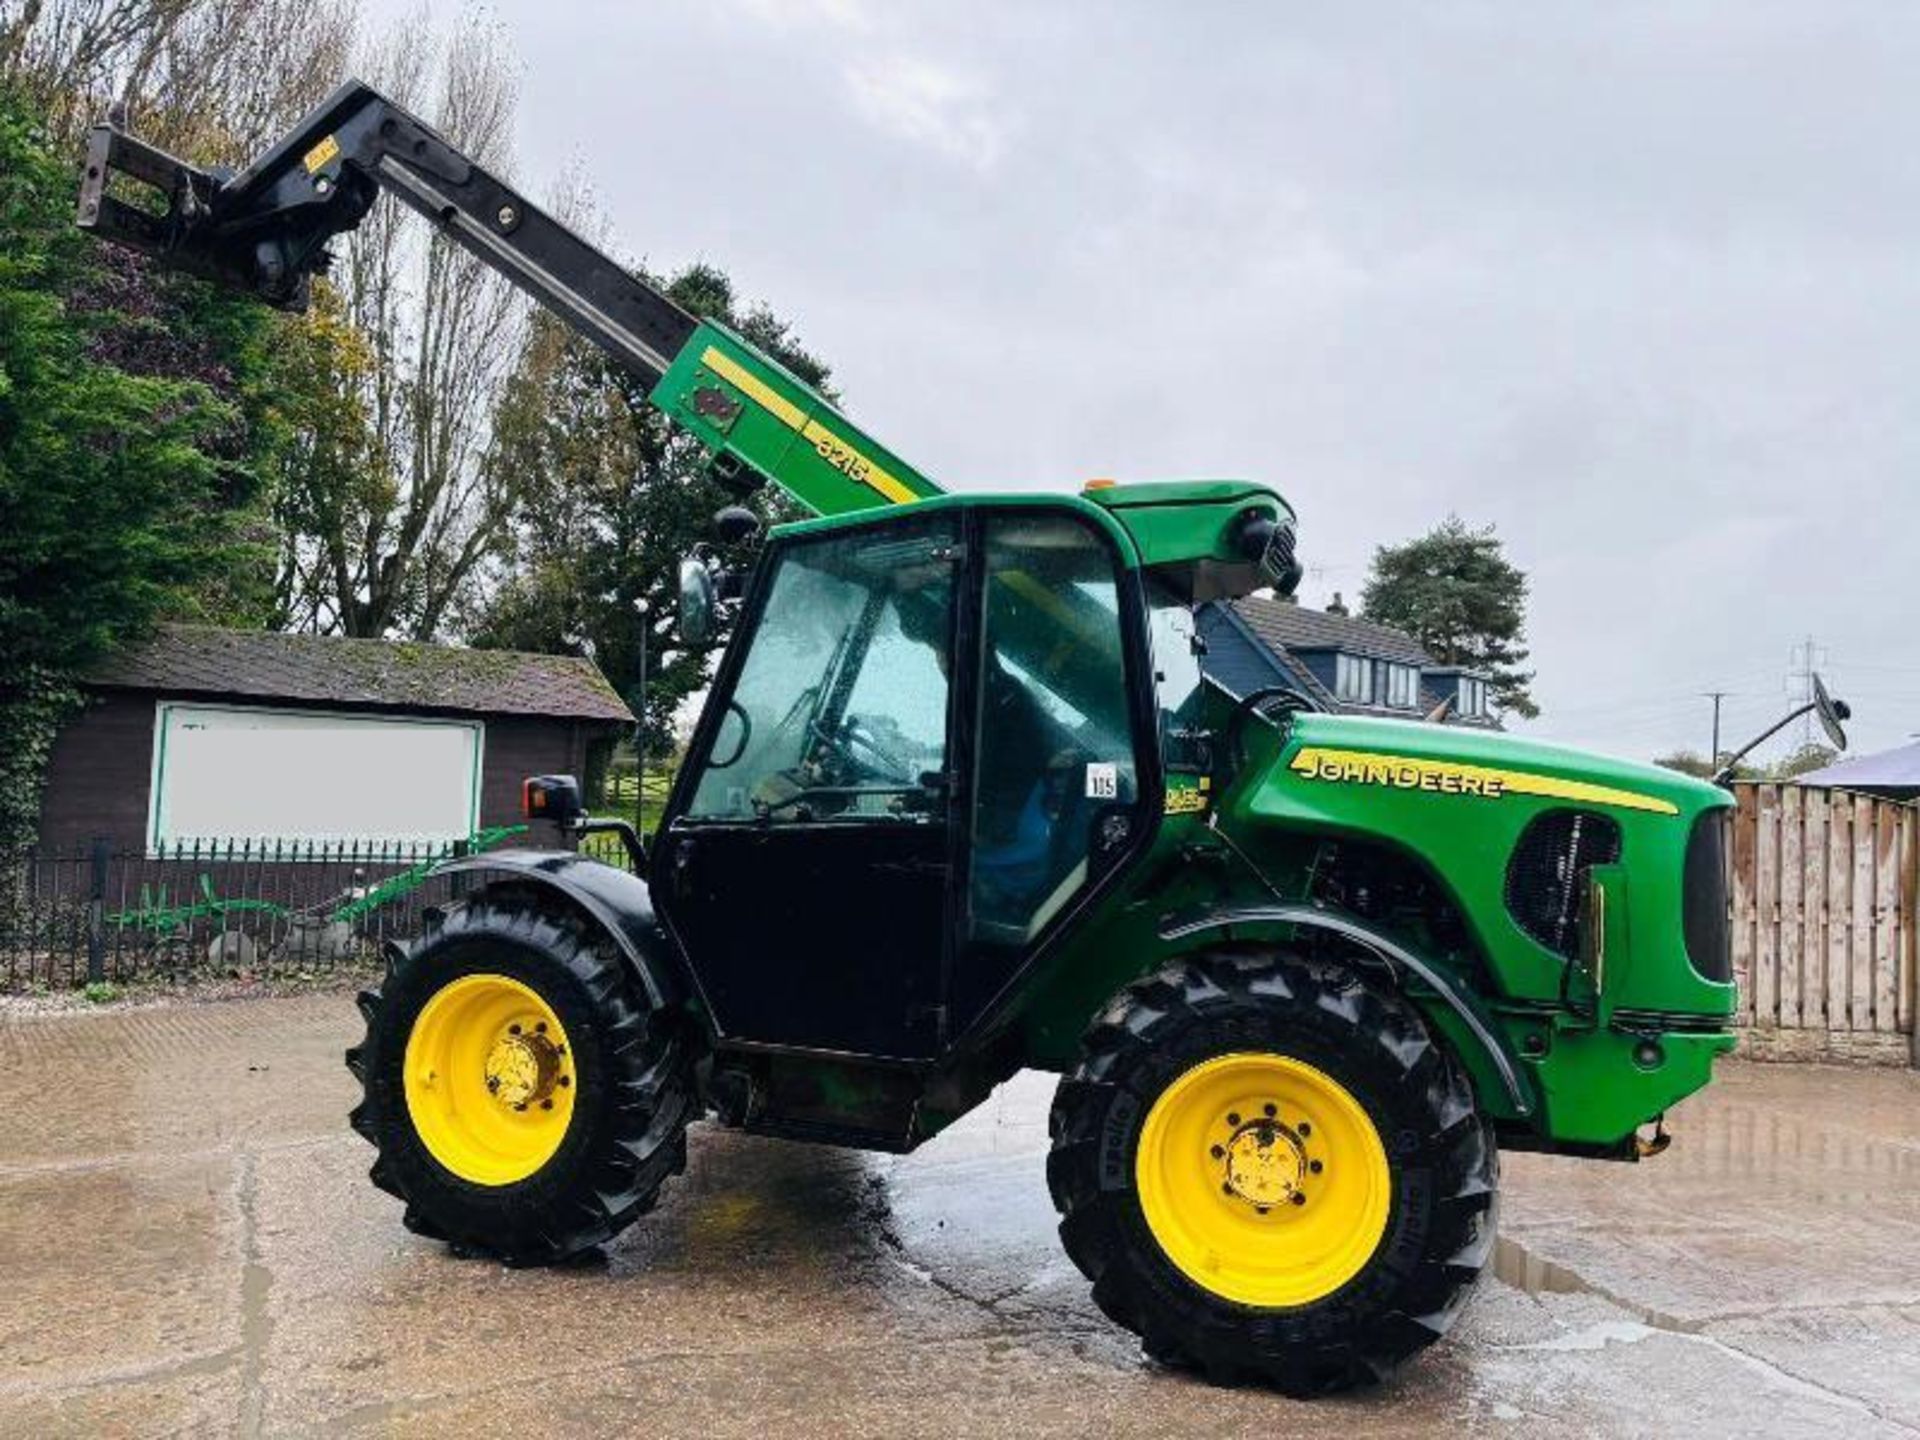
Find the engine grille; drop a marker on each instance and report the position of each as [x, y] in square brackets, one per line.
[1704, 897]
[1543, 874]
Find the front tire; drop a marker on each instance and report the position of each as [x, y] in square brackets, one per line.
[523, 1099]
[1270, 1170]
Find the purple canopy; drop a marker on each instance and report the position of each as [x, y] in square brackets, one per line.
[1892, 772]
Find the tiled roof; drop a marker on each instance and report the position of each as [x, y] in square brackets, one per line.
[388, 674]
[1294, 627]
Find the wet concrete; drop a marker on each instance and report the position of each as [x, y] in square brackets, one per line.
[189, 1245]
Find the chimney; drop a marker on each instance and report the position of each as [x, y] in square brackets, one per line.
[1337, 606]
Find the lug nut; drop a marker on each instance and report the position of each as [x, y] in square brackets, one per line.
[546, 1104]
[568, 1080]
[521, 1106]
[1298, 1198]
[1305, 1128]
[513, 1029]
[1233, 1117]
[1226, 1189]
[493, 1084]
[1219, 1152]
[541, 1027]
[1271, 1109]
[1314, 1166]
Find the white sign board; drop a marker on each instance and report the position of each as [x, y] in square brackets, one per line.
[224, 773]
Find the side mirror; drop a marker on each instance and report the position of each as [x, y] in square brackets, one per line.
[735, 525]
[1832, 713]
[697, 601]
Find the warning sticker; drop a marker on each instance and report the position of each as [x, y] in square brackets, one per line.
[1103, 781]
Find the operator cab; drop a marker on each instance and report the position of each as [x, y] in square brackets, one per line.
[932, 738]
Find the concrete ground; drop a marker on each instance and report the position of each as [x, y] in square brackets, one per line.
[188, 1245]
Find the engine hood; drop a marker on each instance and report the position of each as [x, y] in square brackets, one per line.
[1411, 755]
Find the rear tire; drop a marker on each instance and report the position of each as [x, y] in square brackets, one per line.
[602, 1118]
[1204, 1268]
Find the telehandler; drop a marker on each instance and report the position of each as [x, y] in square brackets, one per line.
[962, 801]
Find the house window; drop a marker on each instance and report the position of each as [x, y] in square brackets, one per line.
[1473, 696]
[1353, 679]
[1403, 687]
[225, 774]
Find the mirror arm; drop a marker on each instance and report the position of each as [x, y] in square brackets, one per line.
[1725, 772]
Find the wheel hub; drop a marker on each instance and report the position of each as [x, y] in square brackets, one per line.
[521, 1067]
[490, 1079]
[1265, 1164]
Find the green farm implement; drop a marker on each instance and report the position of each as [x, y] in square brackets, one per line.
[962, 802]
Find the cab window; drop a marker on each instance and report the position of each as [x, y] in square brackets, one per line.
[1053, 747]
[840, 709]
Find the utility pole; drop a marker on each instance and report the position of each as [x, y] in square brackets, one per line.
[640, 730]
[1713, 754]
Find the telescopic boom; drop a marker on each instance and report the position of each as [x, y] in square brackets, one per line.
[265, 232]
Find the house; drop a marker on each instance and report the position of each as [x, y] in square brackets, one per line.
[207, 736]
[1355, 666]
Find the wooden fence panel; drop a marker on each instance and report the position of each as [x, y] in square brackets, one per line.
[1839, 908]
[1792, 955]
[1861, 982]
[1813, 914]
[1745, 828]
[1766, 907]
[1886, 919]
[1822, 896]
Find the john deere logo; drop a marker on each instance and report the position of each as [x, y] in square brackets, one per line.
[1448, 777]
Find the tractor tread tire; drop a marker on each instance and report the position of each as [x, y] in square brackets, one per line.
[1441, 1154]
[628, 1134]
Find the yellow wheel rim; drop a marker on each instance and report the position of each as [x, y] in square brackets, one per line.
[489, 1079]
[1263, 1180]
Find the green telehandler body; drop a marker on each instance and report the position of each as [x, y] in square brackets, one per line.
[963, 801]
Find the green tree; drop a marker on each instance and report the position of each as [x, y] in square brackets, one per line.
[1802, 760]
[1692, 762]
[130, 462]
[614, 497]
[1454, 590]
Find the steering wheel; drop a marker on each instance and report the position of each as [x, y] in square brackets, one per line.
[864, 756]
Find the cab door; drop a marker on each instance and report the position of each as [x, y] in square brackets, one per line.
[806, 864]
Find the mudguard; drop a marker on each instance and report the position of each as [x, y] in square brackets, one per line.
[1404, 962]
[620, 903]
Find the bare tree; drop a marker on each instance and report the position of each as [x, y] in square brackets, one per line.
[214, 79]
[396, 553]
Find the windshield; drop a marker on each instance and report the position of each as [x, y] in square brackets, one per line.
[840, 710]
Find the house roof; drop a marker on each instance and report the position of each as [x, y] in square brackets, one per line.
[384, 674]
[1295, 627]
[1896, 769]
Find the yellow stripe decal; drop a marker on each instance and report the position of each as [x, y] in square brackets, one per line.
[1447, 777]
[829, 446]
[743, 379]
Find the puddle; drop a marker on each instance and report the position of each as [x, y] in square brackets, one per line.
[1514, 1264]
[1519, 1267]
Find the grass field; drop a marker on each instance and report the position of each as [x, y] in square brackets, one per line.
[619, 804]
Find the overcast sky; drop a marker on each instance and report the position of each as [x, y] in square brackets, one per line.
[1638, 284]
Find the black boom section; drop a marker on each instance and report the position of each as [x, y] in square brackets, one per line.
[265, 230]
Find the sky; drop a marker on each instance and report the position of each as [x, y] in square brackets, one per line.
[1637, 284]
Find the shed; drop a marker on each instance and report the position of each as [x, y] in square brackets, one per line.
[1891, 774]
[207, 735]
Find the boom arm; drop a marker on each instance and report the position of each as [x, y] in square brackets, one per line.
[265, 232]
